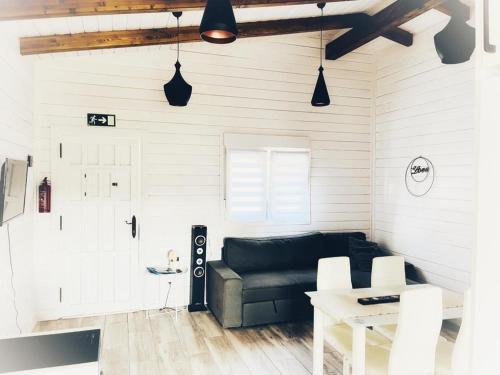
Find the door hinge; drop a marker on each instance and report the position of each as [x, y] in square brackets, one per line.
[60, 150]
[60, 295]
[60, 223]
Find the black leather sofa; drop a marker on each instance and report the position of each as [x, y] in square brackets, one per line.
[263, 280]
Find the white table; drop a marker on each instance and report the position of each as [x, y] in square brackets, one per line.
[172, 279]
[68, 352]
[343, 306]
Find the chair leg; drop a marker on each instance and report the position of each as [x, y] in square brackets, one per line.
[346, 369]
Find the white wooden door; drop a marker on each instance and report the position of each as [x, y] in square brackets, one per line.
[96, 185]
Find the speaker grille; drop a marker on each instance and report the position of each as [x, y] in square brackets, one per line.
[198, 261]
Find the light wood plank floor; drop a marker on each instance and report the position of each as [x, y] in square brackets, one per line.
[196, 344]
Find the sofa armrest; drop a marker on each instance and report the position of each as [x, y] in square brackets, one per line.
[224, 294]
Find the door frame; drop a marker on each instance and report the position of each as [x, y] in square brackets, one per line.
[58, 134]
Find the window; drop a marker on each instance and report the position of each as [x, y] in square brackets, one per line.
[266, 184]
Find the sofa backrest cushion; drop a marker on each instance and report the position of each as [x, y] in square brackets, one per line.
[290, 252]
[362, 254]
[337, 244]
[272, 253]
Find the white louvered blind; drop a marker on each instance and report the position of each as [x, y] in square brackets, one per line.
[247, 185]
[268, 186]
[289, 195]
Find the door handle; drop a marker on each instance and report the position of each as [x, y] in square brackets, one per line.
[488, 47]
[134, 226]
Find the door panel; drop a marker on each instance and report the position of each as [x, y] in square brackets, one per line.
[107, 154]
[124, 154]
[90, 228]
[96, 192]
[73, 152]
[92, 154]
[122, 274]
[121, 177]
[93, 184]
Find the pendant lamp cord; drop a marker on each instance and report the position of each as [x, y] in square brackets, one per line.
[321, 38]
[178, 38]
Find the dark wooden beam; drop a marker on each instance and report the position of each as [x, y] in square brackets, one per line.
[148, 37]
[29, 9]
[455, 7]
[397, 34]
[384, 21]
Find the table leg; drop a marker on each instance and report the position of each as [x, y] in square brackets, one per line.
[318, 343]
[176, 307]
[358, 349]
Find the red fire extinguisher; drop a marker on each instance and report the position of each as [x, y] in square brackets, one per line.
[44, 193]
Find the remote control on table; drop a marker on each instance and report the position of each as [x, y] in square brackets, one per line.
[378, 300]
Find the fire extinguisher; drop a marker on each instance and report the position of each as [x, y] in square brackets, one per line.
[44, 192]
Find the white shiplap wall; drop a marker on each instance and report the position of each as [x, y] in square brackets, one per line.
[16, 141]
[425, 108]
[258, 86]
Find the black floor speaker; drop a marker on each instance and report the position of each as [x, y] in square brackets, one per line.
[198, 260]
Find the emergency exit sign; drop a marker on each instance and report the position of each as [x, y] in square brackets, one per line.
[97, 119]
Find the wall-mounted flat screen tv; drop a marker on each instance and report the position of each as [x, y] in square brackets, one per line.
[13, 180]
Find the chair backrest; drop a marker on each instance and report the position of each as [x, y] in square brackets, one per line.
[460, 361]
[413, 350]
[388, 271]
[334, 273]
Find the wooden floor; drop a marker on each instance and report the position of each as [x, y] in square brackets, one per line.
[196, 344]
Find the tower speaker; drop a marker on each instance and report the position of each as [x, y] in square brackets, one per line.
[198, 260]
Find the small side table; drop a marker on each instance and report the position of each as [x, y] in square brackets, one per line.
[173, 278]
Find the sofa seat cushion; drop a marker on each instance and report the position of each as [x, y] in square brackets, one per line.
[276, 285]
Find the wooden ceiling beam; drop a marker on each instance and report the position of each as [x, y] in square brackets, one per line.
[30, 9]
[455, 7]
[384, 21]
[149, 37]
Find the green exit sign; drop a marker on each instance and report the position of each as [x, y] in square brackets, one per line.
[98, 119]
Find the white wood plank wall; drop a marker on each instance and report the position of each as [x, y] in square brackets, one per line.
[16, 141]
[425, 108]
[260, 86]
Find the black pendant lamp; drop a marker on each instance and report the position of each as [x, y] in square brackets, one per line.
[456, 42]
[178, 91]
[218, 24]
[321, 98]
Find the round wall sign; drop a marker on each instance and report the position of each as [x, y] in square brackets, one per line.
[419, 176]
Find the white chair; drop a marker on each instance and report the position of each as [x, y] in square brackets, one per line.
[413, 350]
[388, 272]
[335, 273]
[454, 359]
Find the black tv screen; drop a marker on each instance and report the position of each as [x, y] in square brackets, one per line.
[13, 181]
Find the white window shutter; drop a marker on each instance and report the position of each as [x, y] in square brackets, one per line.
[289, 190]
[247, 185]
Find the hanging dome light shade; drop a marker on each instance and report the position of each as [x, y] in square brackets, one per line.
[321, 98]
[178, 91]
[218, 24]
[455, 44]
